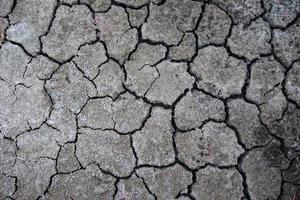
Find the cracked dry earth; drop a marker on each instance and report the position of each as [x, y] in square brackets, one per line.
[150, 99]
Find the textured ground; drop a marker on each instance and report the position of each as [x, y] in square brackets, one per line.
[150, 99]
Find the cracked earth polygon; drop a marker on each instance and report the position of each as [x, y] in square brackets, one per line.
[150, 99]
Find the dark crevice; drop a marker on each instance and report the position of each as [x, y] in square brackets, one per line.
[116, 188]
[124, 5]
[113, 128]
[244, 176]
[49, 26]
[283, 86]
[154, 104]
[147, 187]
[21, 46]
[86, 77]
[281, 140]
[134, 151]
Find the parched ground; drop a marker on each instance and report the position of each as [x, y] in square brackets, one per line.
[150, 99]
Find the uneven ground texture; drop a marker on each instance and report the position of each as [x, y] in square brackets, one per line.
[150, 99]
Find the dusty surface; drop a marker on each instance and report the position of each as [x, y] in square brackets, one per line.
[150, 99]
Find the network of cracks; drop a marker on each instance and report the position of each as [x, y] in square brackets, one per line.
[150, 99]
